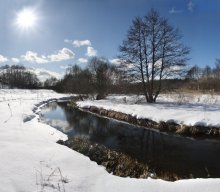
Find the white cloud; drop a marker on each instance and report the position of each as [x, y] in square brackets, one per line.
[115, 61]
[68, 41]
[91, 52]
[63, 54]
[174, 11]
[34, 58]
[82, 60]
[65, 66]
[78, 43]
[3, 59]
[44, 74]
[15, 60]
[190, 6]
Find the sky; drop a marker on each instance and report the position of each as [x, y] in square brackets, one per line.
[52, 34]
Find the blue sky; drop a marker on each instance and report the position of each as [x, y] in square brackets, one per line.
[64, 32]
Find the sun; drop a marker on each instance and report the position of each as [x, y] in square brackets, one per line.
[26, 19]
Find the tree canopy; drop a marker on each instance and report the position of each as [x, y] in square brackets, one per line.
[152, 51]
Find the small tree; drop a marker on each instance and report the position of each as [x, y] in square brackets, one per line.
[207, 73]
[102, 73]
[76, 80]
[194, 73]
[217, 69]
[152, 51]
[50, 83]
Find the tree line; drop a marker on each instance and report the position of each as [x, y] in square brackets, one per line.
[101, 77]
[206, 78]
[17, 76]
[97, 78]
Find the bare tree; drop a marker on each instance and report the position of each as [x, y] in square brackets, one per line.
[50, 83]
[102, 72]
[194, 73]
[152, 51]
[207, 73]
[217, 69]
[76, 80]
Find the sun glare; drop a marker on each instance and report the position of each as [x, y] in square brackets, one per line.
[26, 19]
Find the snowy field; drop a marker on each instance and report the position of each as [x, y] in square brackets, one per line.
[31, 161]
[188, 109]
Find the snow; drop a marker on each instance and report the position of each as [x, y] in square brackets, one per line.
[188, 109]
[32, 161]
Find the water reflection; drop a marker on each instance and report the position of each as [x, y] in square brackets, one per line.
[183, 156]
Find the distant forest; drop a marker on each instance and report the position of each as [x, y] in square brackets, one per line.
[17, 76]
[101, 78]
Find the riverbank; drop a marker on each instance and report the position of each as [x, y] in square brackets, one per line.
[196, 118]
[118, 163]
[31, 160]
[197, 131]
[115, 162]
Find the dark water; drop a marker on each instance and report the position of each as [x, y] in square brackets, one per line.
[183, 156]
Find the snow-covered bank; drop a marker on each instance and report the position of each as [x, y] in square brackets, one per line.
[183, 109]
[31, 160]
